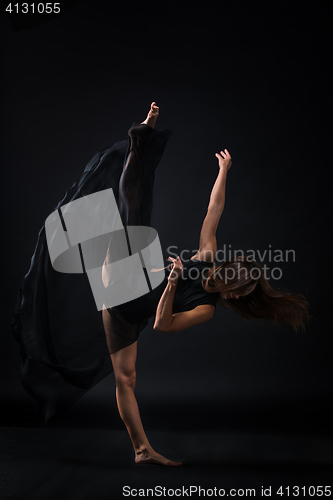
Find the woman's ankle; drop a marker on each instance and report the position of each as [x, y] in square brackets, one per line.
[143, 449]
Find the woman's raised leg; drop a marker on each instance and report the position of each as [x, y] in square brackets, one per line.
[130, 179]
[130, 183]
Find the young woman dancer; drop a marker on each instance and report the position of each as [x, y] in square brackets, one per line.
[66, 343]
[183, 300]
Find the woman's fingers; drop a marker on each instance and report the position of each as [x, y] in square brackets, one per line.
[225, 154]
[176, 262]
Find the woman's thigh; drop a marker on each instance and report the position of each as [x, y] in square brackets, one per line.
[122, 348]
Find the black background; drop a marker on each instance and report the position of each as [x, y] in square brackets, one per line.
[238, 402]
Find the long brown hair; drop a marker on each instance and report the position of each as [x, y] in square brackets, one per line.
[242, 275]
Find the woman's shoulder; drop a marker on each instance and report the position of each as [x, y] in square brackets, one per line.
[196, 270]
[197, 262]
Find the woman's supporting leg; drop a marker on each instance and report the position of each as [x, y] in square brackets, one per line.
[123, 362]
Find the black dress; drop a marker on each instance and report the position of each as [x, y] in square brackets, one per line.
[189, 294]
[55, 321]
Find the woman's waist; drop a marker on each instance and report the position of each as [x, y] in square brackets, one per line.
[131, 315]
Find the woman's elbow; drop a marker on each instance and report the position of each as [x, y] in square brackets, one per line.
[157, 327]
[160, 328]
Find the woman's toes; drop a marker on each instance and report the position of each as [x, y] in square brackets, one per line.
[151, 457]
[174, 463]
[154, 109]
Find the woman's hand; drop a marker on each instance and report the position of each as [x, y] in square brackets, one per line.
[224, 159]
[176, 269]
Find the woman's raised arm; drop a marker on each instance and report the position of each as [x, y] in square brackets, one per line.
[207, 244]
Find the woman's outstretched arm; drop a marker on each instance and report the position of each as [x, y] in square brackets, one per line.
[207, 244]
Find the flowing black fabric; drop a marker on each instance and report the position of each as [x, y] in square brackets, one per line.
[55, 320]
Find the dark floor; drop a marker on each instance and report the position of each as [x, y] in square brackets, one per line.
[87, 453]
[98, 463]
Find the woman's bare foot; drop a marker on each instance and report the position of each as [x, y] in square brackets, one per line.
[152, 115]
[146, 456]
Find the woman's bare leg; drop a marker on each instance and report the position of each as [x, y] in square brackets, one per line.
[123, 362]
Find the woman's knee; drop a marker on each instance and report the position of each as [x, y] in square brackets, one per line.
[126, 380]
